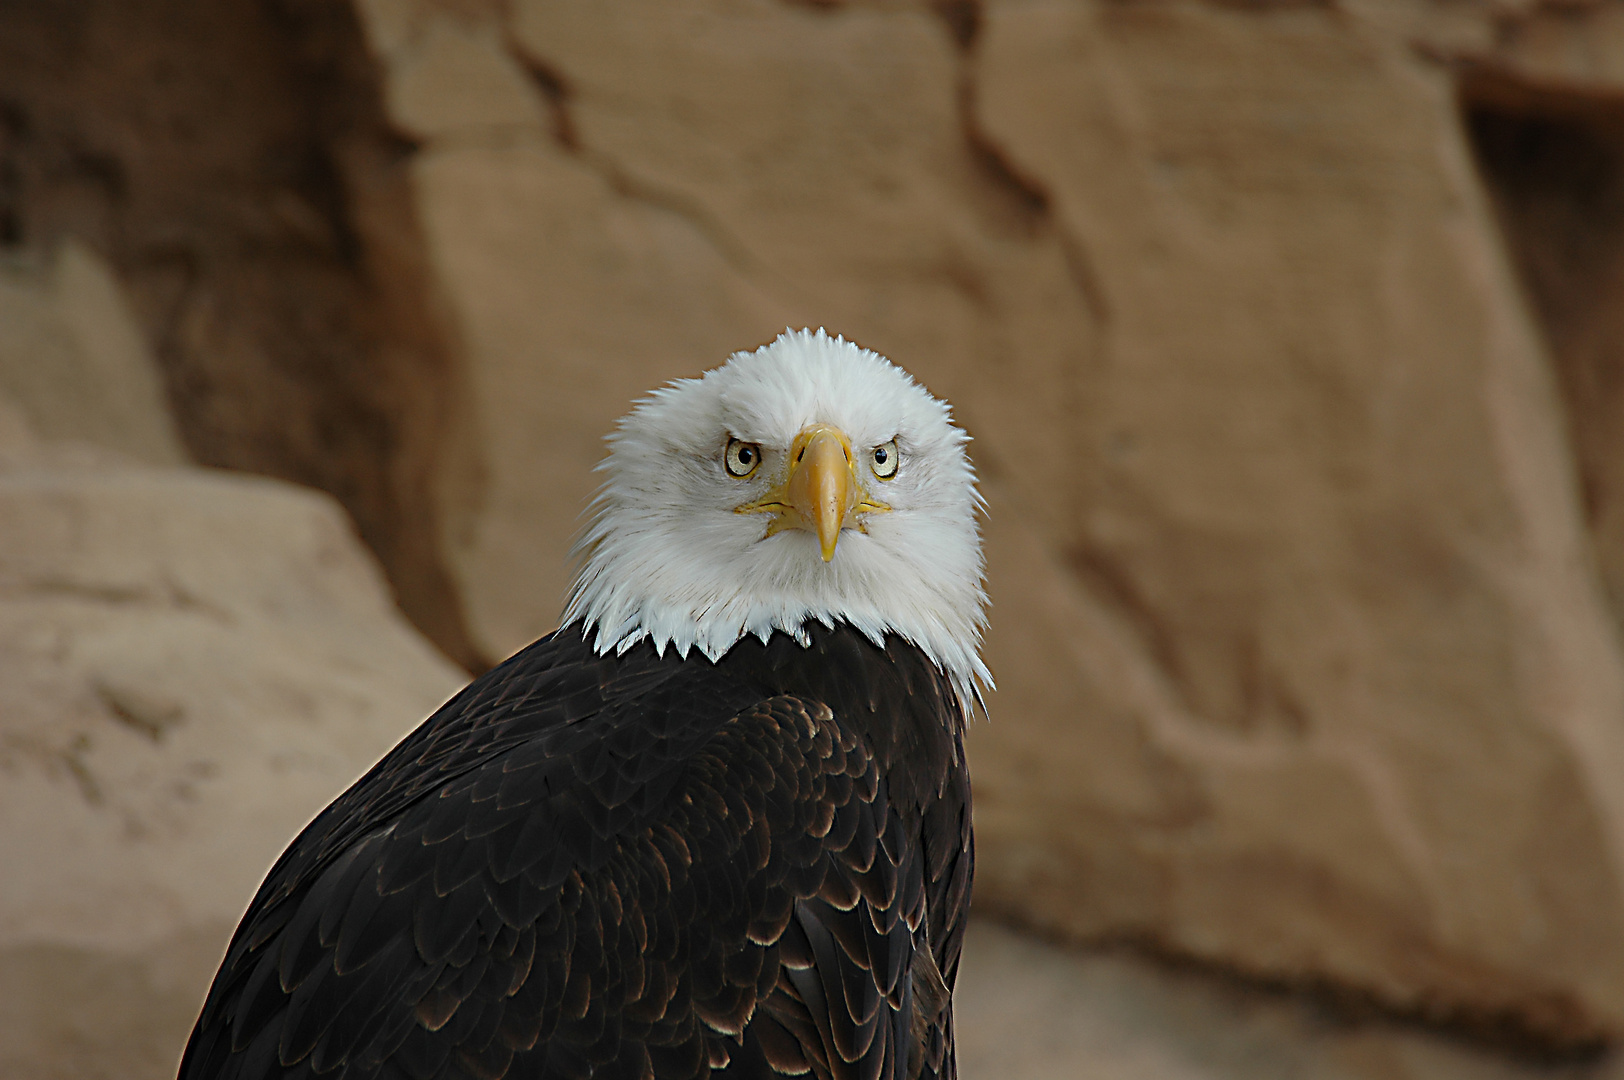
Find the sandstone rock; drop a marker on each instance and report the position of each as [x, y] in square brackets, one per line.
[75, 361]
[232, 163]
[191, 665]
[1571, 49]
[1305, 666]
[1029, 1010]
[1348, 706]
[572, 297]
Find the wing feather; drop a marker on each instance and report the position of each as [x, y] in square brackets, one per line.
[570, 874]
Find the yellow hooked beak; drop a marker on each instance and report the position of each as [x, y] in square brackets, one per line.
[821, 492]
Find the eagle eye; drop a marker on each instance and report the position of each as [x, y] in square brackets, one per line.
[741, 458]
[884, 458]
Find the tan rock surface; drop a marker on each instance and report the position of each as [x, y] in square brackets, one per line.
[571, 299]
[191, 665]
[1030, 1010]
[74, 360]
[1305, 667]
[232, 163]
[1335, 524]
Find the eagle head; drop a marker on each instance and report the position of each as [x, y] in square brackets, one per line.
[810, 479]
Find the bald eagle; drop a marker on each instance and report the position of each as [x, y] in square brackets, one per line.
[716, 825]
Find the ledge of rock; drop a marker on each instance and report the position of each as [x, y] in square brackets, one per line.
[191, 665]
[1027, 1009]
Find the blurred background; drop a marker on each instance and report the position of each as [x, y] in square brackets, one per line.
[1290, 333]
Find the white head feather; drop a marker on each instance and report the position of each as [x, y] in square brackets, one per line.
[666, 557]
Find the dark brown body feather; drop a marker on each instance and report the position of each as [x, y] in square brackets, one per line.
[631, 866]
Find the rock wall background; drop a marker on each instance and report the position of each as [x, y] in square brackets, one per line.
[1289, 335]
